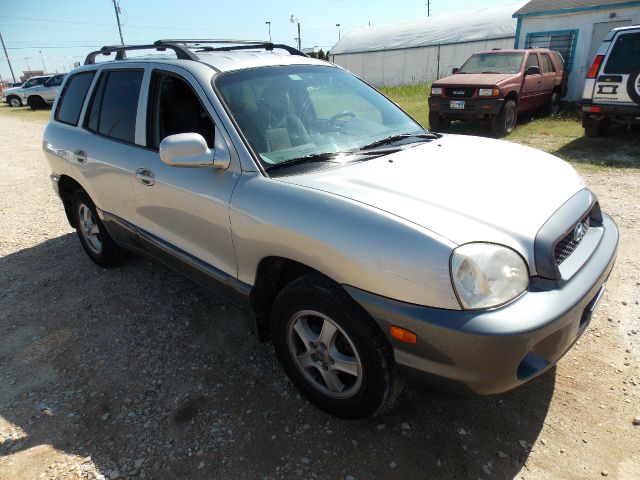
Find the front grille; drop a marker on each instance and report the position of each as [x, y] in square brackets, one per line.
[459, 92]
[567, 245]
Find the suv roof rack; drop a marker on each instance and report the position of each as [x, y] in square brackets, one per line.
[181, 52]
[182, 48]
[233, 45]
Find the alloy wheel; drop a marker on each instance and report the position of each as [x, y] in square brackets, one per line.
[89, 229]
[324, 354]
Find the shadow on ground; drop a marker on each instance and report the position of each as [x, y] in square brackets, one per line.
[148, 374]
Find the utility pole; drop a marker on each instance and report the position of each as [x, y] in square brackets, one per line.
[7, 57]
[26, 59]
[116, 7]
[44, 67]
[269, 23]
[428, 4]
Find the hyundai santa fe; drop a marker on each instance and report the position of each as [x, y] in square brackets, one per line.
[372, 252]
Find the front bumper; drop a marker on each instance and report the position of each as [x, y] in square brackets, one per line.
[473, 107]
[489, 352]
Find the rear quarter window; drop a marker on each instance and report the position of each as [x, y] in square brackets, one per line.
[625, 55]
[72, 97]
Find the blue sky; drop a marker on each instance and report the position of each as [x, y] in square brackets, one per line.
[64, 31]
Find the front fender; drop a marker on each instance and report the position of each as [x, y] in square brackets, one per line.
[350, 242]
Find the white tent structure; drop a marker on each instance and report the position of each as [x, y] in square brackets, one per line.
[425, 49]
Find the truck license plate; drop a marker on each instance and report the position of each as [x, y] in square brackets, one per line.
[457, 104]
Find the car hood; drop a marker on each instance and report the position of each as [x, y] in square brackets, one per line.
[474, 79]
[8, 91]
[465, 189]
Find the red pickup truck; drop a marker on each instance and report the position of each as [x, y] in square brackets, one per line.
[497, 85]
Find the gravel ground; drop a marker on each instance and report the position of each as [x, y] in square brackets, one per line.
[136, 372]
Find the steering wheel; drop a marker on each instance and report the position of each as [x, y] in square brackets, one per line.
[346, 113]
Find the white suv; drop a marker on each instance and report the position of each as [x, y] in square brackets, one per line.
[612, 89]
[370, 250]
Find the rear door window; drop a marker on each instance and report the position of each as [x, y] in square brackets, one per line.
[72, 97]
[625, 55]
[114, 105]
[547, 64]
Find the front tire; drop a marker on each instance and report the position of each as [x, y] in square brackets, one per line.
[504, 122]
[15, 102]
[438, 123]
[332, 351]
[93, 235]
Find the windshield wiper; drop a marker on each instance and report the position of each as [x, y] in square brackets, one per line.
[402, 136]
[315, 157]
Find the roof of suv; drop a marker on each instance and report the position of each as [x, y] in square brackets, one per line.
[613, 32]
[234, 55]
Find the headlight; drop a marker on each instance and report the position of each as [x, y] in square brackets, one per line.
[487, 275]
[436, 91]
[489, 92]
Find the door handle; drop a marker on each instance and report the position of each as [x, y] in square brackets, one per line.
[145, 177]
[80, 156]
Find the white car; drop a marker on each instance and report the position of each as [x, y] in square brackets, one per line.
[612, 90]
[43, 95]
[14, 96]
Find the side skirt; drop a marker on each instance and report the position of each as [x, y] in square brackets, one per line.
[221, 284]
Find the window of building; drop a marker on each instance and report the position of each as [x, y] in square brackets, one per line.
[563, 42]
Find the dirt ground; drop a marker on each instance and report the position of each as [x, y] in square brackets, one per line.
[136, 372]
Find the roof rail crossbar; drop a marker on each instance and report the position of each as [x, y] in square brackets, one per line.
[181, 52]
[233, 45]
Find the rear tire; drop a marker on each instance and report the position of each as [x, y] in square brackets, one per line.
[438, 122]
[504, 122]
[553, 105]
[332, 351]
[36, 103]
[594, 128]
[92, 233]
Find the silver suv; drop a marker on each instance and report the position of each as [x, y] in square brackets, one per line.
[371, 251]
[612, 89]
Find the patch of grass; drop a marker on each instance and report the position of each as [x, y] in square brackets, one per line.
[24, 112]
[562, 135]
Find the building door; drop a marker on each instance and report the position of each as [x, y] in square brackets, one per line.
[600, 32]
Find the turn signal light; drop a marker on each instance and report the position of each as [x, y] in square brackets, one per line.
[593, 71]
[403, 335]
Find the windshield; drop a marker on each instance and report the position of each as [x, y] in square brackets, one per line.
[291, 112]
[505, 62]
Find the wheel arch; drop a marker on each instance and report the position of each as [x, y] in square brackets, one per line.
[67, 186]
[512, 95]
[273, 274]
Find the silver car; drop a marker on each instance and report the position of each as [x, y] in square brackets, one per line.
[371, 251]
[43, 95]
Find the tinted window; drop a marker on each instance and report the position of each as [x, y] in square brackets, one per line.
[547, 65]
[72, 97]
[532, 61]
[175, 108]
[115, 104]
[55, 81]
[625, 54]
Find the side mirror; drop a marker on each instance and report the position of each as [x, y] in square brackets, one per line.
[190, 150]
[454, 71]
[532, 71]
